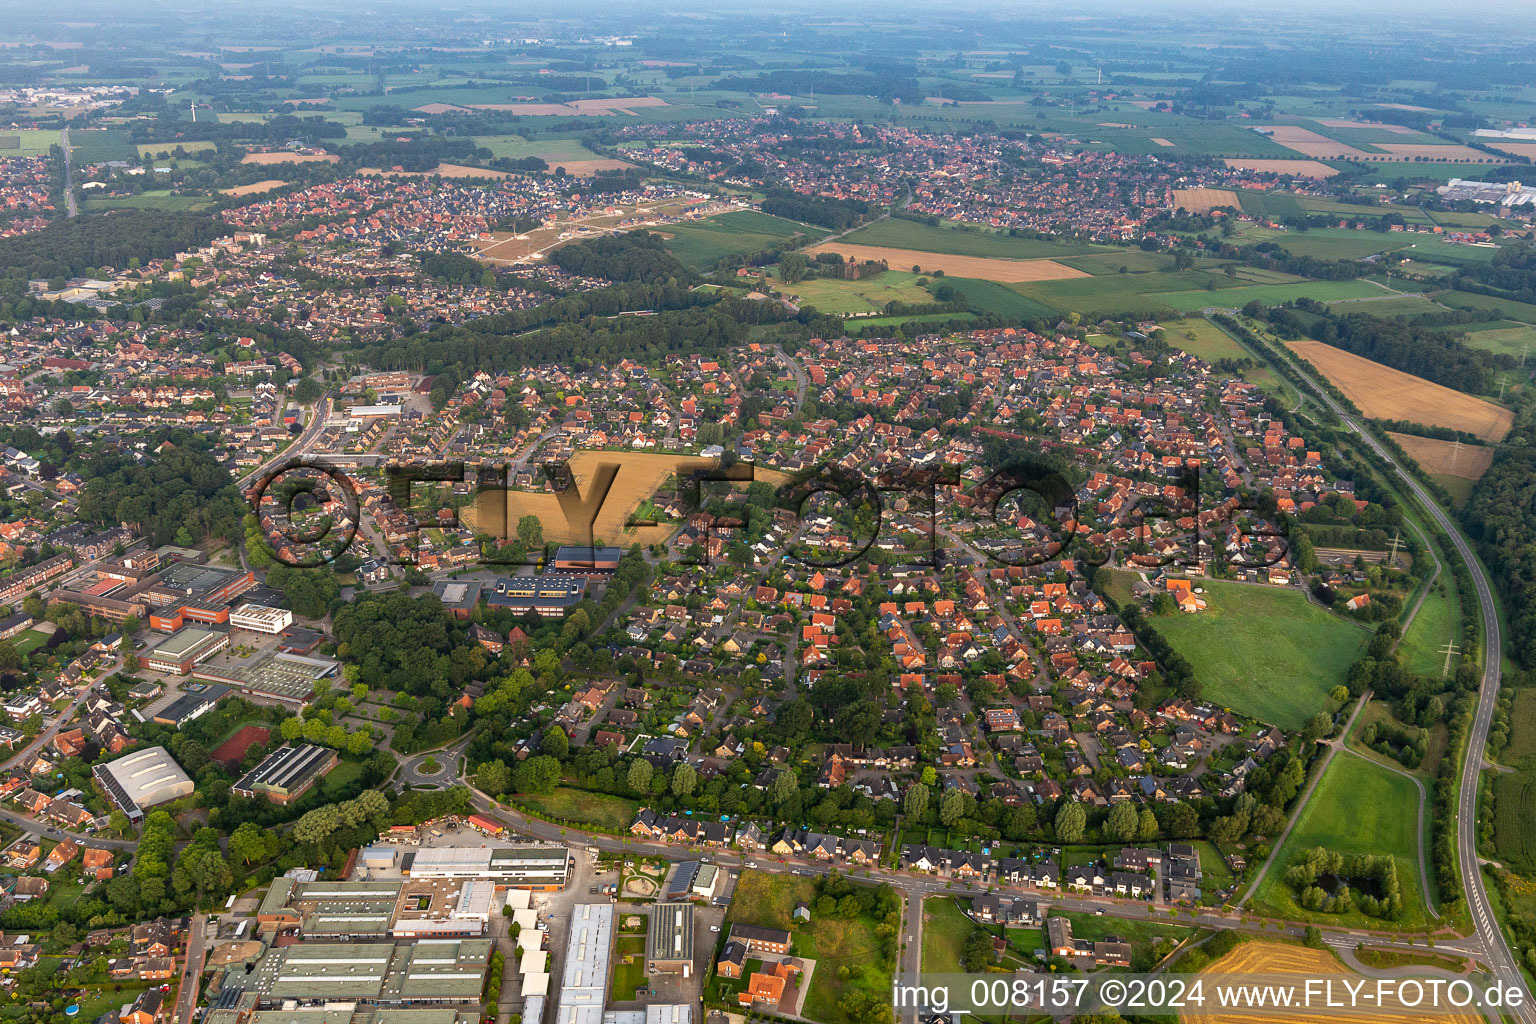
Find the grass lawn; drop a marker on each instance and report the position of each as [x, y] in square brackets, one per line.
[1517, 340]
[702, 244]
[1509, 309]
[1264, 651]
[343, 775]
[871, 294]
[1210, 342]
[1407, 305]
[1270, 294]
[28, 142]
[769, 900]
[951, 238]
[155, 200]
[582, 807]
[1438, 622]
[1359, 806]
[945, 931]
[631, 976]
[29, 640]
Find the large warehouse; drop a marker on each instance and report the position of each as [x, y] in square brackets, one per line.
[141, 780]
[541, 866]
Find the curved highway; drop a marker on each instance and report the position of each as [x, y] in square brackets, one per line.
[1497, 951]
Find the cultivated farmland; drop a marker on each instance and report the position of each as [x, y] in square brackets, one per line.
[1007, 271]
[1306, 168]
[290, 158]
[1203, 200]
[1446, 458]
[1257, 957]
[1381, 392]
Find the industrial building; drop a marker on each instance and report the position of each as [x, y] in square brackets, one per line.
[669, 944]
[548, 596]
[542, 866]
[185, 648]
[584, 981]
[260, 618]
[1505, 193]
[425, 972]
[142, 779]
[326, 911]
[287, 773]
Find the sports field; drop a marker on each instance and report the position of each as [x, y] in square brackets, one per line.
[1264, 651]
[1381, 392]
[1005, 271]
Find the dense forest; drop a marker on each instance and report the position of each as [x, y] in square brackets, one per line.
[829, 213]
[68, 248]
[183, 494]
[636, 256]
[1501, 516]
[1510, 274]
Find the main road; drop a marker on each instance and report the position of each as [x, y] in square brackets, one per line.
[1498, 954]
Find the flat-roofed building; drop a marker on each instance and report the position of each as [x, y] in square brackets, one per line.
[548, 596]
[581, 560]
[584, 977]
[260, 618]
[288, 679]
[179, 653]
[426, 972]
[542, 866]
[287, 773]
[669, 944]
[141, 780]
[189, 592]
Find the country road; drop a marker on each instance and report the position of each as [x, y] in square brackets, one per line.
[1497, 950]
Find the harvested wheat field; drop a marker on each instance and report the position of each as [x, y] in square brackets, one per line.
[290, 158]
[1525, 149]
[1162, 142]
[639, 475]
[1310, 143]
[1284, 964]
[1433, 154]
[1004, 271]
[254, 187]
[1303, 168]
[1203, 200]
[1445, 458]
[1381, 392]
